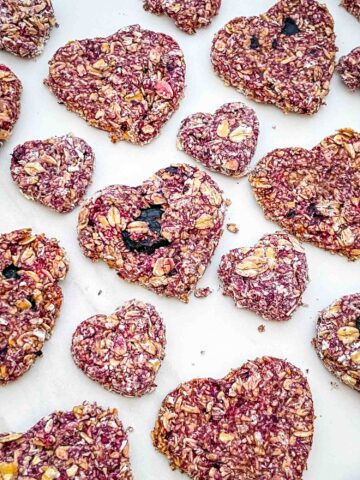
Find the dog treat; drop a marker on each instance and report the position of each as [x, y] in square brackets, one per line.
[337, 340]
[54, 172]
[269, 278]
[314, 194]
[30, 299]
[25, 26]
[161, 234]
[224, 142]
[128, 84]
[352, 6]
[188, 15]
[10, 94]
[285, 57]
[349, 69]
[255, 423]
[87, 442]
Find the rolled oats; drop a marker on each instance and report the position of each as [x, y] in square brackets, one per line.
[352, 6]
[10, 94]
[349, 68]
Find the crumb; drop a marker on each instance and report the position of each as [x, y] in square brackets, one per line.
[202, 292]
[232, 227]
[261, 328]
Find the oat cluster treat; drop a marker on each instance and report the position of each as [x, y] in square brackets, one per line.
[123, 351]
[224, 142]
[30, 298]
[269, 278]
[188, 15]
[128, 84]
[352, 6]
[25, 26]
[256, 422]
[10, 95]
[314, 194]
[285, 57]
[54, 172]
[88, 442]
[161, 234]
[349, 69]
[337, 339]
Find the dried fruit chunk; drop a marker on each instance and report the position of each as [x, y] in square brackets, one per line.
[268, 278]
[349, 69]
[224, 142]
[285, 57]
[314, 194]
[130, 82]
[337, 339]
[10, 93]
[240, 427]
[352, 6]
[122, 352]
[87, 442]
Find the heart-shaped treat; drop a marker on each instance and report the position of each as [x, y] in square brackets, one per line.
[314, 194]
[30, 299]
[268, 278]
[161, 234]
[352, 6]
[54, 172]
[188, 15]
[25, 26]
[284, 57]
[337, 340]
[123, 351]
[10, 94]
[224, 142]
[349, 69]
[87, 442]
[255, 423]
[128, 84]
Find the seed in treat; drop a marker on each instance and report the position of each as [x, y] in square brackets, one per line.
[11, 272]
[290, 27]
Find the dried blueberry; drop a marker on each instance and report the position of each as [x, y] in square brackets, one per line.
[358, 323]
[275, 44]
[151, 216]
[291, 213]
[254, 42]
[11, 272]
[312, 210]
[39, 353]
[290, 28]
[3, 351]
[33, 303]
[171, 169]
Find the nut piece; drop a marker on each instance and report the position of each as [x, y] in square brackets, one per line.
[348, 334]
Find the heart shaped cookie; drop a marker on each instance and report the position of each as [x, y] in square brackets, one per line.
[87, 442]
[256, 422]
[352, 6]
[30, 299]
[285, 57]
[10, 94]
[161, 234]
[337, 340]
[314, 194]
[123, 351]
[54, 172]
[128, 84]
[349, 69]
[224, 142]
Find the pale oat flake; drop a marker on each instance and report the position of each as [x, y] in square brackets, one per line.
[349, 69]
[352, 6]
[10, 94]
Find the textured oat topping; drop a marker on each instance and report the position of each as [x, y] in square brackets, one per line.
[337, 340]
[268, 278]
[161, 234]
[86, 443]
[123, 351]
[128, 84]
[352, 6]
[54, 172]
[315, 194]
[25, 26]
[284, 57]
[224, 142]
[188, 15]
[255, 423]
[10, 93]
[30, 299]
[349, 69]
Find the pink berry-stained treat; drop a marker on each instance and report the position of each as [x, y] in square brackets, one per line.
[128, 84]
[255, 423]
[352, 6]
[269, 278]
[54, 172]
[10, 95]
[285, 57]
[224, 142]
[349, 69]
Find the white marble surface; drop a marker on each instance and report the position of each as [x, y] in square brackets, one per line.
[227, 336]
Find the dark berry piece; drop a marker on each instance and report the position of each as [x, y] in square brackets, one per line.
[290, 28]
[274, 44]
[33, 303]
[291, 213]
[358, 323]
[11, 272]
[148, 246]
[171, 169]
[254, 42]
[312, 210]
[39, 353]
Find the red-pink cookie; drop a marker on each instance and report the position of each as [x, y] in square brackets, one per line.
[349, 69]
[10, 94]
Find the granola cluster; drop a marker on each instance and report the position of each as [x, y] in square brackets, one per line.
[123, 351]
[352, 6]
[337, 340]
[314, 194]
[30, 299]
[128, 84]
[224, 142]
[161, 234]
[284, 57]
[10, 94]
[255, 423]
[349, 69]
[25, 26]
[269, 278]
[55, 172]
[86, 443]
